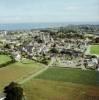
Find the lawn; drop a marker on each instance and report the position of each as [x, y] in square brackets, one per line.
[38, 89]
[4, 59]
[94, 49]
[17, 72]
[71, 75]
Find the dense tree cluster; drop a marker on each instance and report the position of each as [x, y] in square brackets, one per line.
[13, 92]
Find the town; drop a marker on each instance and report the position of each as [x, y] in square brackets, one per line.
[68, 46]
[49, 49]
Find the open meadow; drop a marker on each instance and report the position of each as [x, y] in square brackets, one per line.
[18, 72]
[4, 59]
[54, 83]
[63, 84]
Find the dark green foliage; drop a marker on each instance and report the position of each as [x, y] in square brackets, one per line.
[54, 50]
[38, 39]
[7, 46]
[13, 92]
[44, 61]
[67, 30]
[7, 63]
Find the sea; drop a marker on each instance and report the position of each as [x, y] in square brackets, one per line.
[28, 26]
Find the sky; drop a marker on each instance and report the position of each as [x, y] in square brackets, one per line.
[42, 11]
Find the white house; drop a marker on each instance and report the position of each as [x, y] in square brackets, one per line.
[16, 56]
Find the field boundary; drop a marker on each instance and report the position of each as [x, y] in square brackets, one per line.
[37, 73]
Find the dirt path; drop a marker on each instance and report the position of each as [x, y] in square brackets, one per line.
[37, 73]
[31, 76]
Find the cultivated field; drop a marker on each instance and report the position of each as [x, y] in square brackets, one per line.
[94, 49]
[54, 83]
[4, 59]
[71, 75]
[17, 72]
[63, 84]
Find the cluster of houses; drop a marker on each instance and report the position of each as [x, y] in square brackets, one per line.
[38, 45]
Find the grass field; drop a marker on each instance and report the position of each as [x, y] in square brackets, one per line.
[71, 75]
[4, 59]
[63, 84]
[57, 90]
[54, 83]
[94, 49]
[17, 72]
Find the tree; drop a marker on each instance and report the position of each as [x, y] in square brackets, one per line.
[7, 46]
[13, 92]
[54, 50]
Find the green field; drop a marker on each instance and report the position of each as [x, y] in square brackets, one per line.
[4, 59]
[94, 49]
[71, 75]
[54, 90]
[39, 89]
[63, 84]
[53, 84]
[17, 72]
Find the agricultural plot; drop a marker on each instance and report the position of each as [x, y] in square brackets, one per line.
[94, 49]
[40, 89]
[18, 71]
[54, 83]
[63, 84]
[4, 59]
[71, 75]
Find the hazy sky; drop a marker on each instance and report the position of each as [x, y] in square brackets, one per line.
[12, 11]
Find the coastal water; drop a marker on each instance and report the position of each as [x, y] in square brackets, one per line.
[28, 26]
